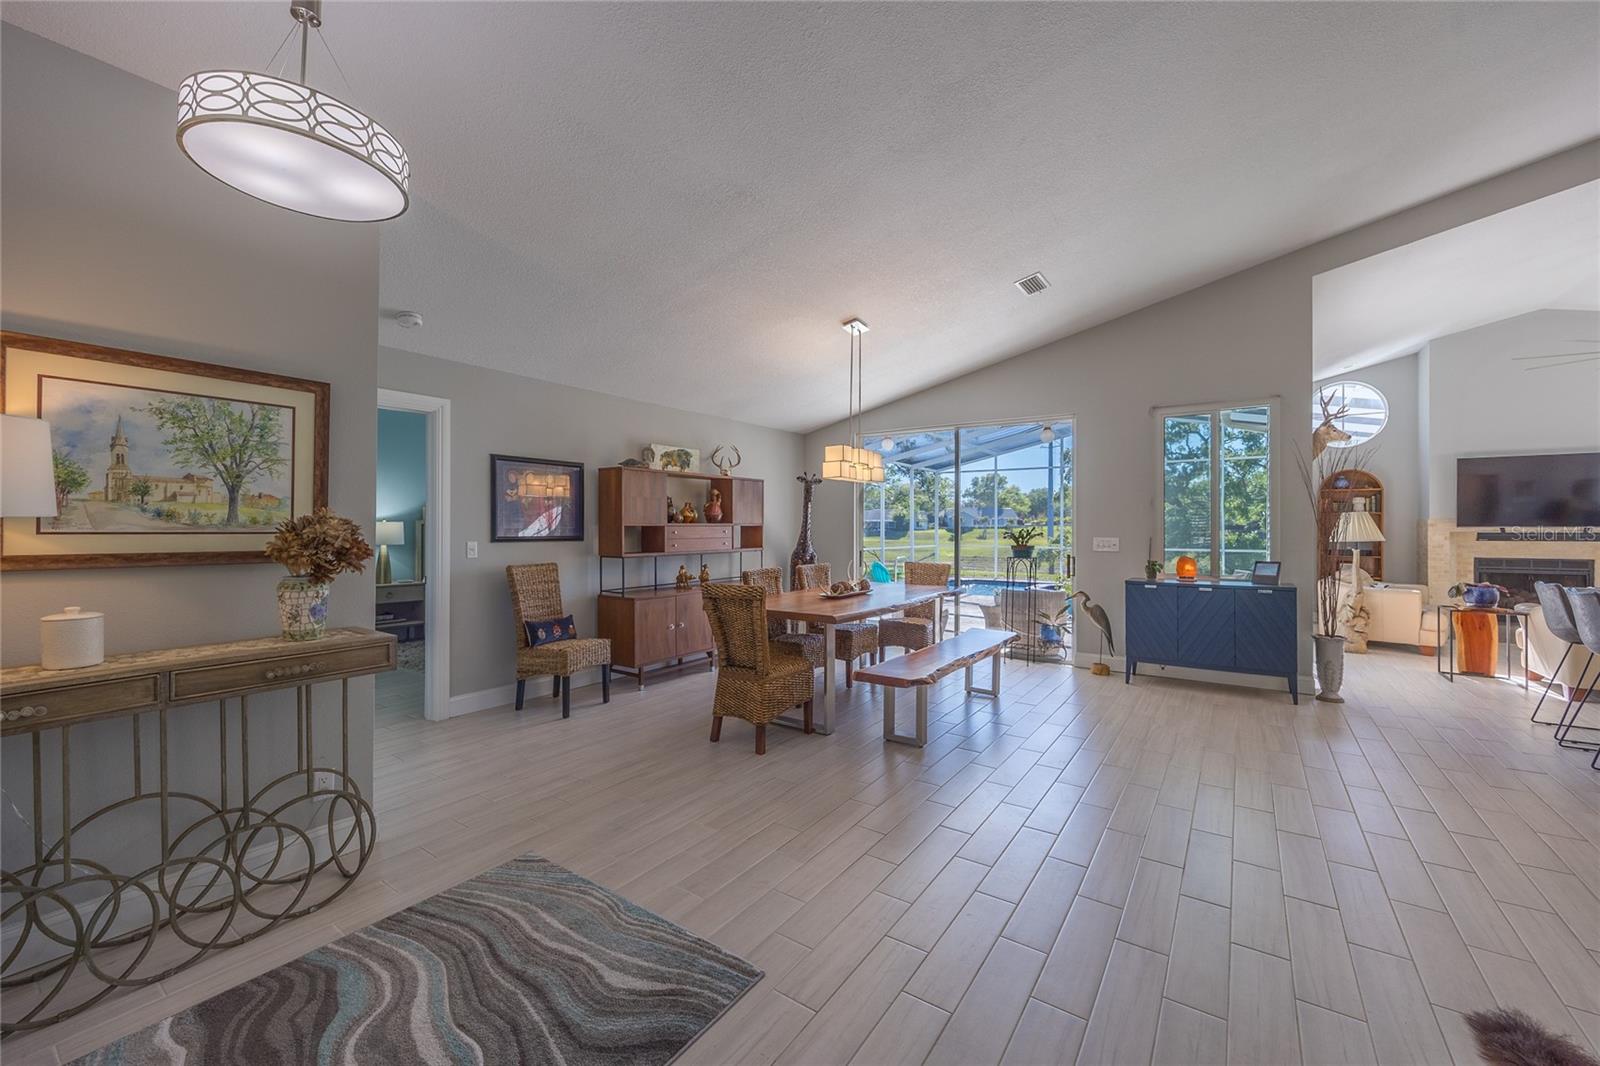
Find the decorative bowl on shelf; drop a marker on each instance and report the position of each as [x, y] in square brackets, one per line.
[1481, 596]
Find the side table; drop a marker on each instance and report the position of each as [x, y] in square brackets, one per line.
[1475, 628]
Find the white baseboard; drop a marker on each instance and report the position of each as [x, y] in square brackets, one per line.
[469, 702]
[1215, 677]
[506, 695]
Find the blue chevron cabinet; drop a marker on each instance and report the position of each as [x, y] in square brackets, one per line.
[1235, 626]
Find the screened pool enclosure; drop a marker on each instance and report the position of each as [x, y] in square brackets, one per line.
[950, 495]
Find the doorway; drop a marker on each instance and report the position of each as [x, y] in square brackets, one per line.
[413, 566]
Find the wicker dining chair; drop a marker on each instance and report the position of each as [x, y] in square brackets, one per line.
[757, 679]
[770, 579]
[916, 628]
[536, 597]
[852, 640]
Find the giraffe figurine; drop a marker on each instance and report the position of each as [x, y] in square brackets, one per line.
[804, 552]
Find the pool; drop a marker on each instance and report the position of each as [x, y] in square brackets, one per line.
[988, 586]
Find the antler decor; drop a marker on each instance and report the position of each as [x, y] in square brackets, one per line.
[1327, 432]
[724, 467]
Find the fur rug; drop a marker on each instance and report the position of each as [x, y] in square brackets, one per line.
[1508, 1037]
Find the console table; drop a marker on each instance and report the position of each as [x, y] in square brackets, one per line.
[1237, 626]
[234, 859]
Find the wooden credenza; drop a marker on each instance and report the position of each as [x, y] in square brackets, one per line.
[650, 627]
[81, 907]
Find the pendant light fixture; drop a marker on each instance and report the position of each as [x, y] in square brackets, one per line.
[851, 462]
[289, 144]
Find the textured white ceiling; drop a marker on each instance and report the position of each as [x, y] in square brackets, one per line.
[680, 202]
[1541, 254]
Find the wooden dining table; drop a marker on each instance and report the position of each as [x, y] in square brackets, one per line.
[811, 607]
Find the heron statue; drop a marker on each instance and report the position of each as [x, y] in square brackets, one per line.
[1097, 615]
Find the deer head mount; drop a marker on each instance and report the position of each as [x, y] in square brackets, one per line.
[720, 461]
[1327, 432]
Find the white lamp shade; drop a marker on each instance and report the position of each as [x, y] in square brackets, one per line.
[391, 532]
[293, 146]
[1357, 527]
[27, 474]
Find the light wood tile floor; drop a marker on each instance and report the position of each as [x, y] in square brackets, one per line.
[1084, 872]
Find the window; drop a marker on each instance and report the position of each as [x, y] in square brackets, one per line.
[1216, 491]
[1355, 407]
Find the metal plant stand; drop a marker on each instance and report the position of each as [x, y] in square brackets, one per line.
[231, 861]
[1022, 573]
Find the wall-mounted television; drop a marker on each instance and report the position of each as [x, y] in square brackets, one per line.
[1529, 490]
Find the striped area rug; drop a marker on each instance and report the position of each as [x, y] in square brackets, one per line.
[528, 963]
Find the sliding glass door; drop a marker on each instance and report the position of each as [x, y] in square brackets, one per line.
[951, 495]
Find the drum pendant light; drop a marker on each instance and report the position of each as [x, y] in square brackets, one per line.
[288, 144]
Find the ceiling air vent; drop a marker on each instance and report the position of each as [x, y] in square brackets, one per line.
[1033, 284]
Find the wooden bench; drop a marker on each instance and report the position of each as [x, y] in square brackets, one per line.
[923, 668]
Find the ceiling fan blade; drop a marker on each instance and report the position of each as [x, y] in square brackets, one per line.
[1592, 358]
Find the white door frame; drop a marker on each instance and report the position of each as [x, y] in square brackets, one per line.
[436, 698]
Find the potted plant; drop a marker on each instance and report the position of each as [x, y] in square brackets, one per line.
[315, 548]
[1022, 538]
[1326, 640]
[1051, 623]
[1152, 567]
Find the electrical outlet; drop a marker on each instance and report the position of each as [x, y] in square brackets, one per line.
[1107, 544]
[324, 781]
[472, 549]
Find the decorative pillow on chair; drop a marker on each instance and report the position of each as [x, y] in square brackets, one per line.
[550, 630]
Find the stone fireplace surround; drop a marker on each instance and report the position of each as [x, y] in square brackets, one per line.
[1451, 554]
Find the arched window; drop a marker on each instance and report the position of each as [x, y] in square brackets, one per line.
[1365, 411]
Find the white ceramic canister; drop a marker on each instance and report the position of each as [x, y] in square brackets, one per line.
[72, 638]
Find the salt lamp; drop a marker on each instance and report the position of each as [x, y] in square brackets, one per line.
[1186, 567]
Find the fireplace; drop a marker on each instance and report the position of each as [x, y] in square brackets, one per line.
[1518, 575]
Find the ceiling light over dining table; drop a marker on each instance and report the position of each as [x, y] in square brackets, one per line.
[288, 144]
[851, 462]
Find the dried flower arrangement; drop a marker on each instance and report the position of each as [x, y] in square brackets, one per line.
[319, 546]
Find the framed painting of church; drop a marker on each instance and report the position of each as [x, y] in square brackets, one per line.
[159, 461]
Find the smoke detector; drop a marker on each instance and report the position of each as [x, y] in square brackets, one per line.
[1033, 284]
[408, 319]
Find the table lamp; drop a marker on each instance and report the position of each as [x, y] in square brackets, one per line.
[27, 472]
[1355, 529]
[389, 532]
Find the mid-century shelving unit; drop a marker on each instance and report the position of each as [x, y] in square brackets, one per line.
[653, 625]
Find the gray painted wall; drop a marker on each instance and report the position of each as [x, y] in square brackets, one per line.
[1482, 402]
[113, 237]
[1396, 463]
[1244, 337]
[498, 413]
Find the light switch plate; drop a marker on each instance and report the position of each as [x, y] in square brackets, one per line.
[472, 549]
[1107, 544]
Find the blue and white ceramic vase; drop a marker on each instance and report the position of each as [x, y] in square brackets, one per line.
[302, 608]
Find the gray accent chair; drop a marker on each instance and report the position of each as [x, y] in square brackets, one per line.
[1585, 605]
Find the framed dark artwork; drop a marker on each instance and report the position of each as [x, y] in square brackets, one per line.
[1266, 572]
[160, 461]
[534, 499]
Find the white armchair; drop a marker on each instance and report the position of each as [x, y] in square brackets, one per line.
[1544, 649]
[1396, 614]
